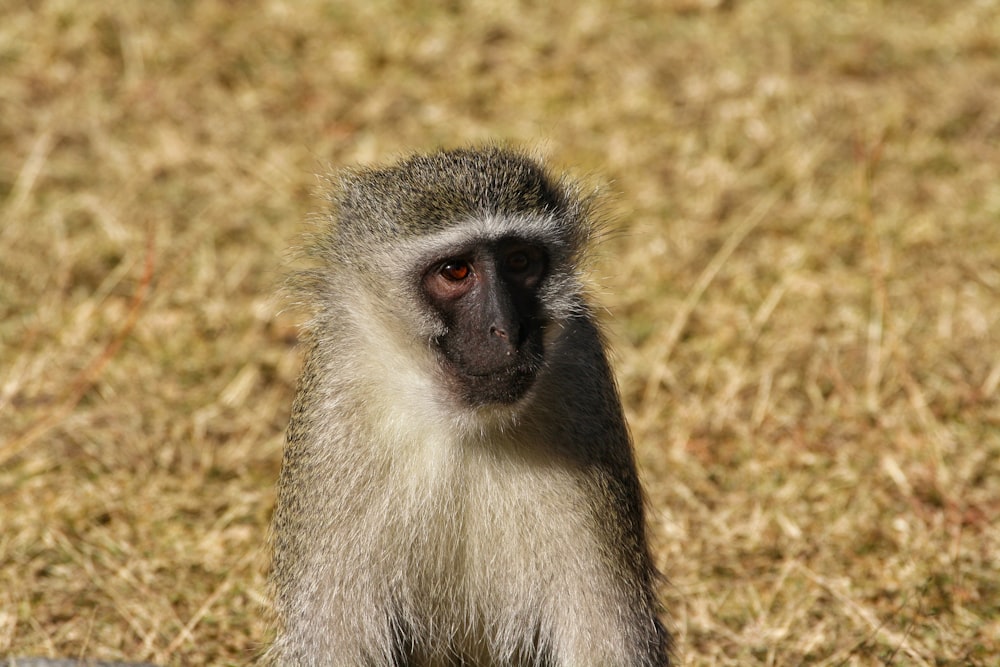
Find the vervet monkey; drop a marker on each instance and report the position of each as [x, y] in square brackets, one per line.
[458, 486]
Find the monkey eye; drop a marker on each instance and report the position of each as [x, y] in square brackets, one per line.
[524, 264]
[518, 261]
[456, 270]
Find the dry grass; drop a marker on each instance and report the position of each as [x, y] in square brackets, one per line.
[805, 297]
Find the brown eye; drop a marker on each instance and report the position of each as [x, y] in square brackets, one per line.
[518, 261]
[456, 271]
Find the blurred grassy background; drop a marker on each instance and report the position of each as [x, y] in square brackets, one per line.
[804, 297]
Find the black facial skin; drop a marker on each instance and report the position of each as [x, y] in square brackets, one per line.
[488, 300]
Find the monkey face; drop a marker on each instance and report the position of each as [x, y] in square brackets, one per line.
[486, 296]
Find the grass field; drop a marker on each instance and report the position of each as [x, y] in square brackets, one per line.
[804, 296]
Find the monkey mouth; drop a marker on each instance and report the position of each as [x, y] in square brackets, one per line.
[503, 372]
[504, 385]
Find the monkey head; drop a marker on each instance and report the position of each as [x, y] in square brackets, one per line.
[472, 253]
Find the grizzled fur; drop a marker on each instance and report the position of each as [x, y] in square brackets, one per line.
[413, 528]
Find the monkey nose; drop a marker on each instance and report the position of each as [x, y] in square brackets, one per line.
[503, 334]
